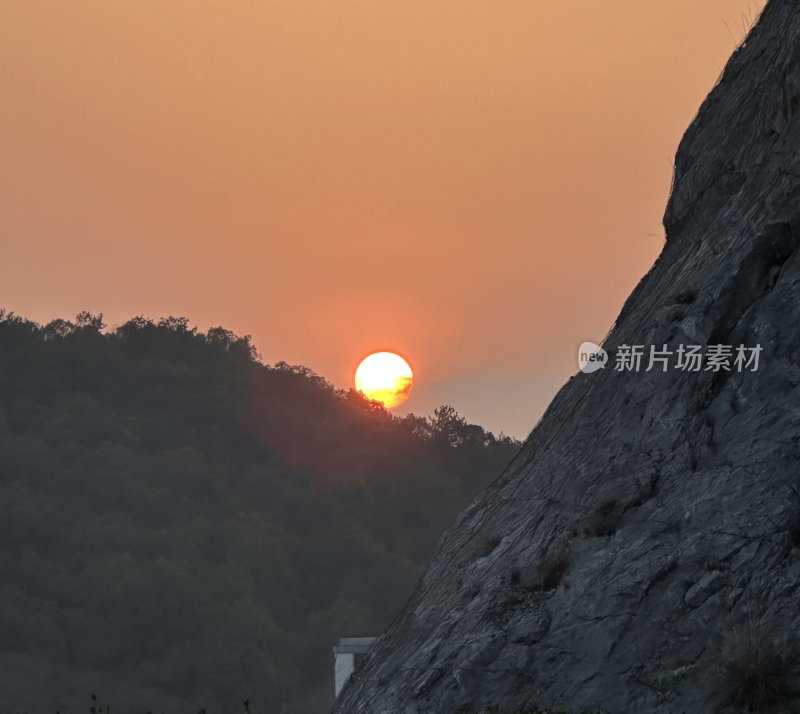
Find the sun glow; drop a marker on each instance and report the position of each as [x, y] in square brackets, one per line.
[385, 377]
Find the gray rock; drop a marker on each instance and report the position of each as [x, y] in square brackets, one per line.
[668, 493]
[529, 627]
[704, 588]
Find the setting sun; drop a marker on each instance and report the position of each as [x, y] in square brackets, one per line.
[385, 377]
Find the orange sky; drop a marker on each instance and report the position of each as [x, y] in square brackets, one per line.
[476, 184]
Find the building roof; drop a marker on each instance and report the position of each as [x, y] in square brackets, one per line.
[354, 645]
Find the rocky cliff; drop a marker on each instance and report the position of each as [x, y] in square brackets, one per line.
[639, 555]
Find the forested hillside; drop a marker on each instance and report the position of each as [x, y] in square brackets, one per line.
[183, 527]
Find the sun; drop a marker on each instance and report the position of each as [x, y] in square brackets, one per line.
[385, 377]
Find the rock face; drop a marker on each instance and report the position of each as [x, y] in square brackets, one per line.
[645, 535]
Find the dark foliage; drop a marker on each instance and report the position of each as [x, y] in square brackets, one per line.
[185, 528]
[605, 520]
[793, 521]
[527, 710]
[489, 545]
[553, 567]
[758, 672]
[793, 528]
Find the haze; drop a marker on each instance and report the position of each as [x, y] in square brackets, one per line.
[476, 185]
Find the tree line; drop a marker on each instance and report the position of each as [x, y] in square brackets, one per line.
[183, 527]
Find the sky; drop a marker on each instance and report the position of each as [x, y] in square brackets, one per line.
[477, 184]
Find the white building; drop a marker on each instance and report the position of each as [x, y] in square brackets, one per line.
[347, 658]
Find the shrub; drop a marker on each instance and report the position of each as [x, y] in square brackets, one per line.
[758, 672]
[793, 527]
[793, 522]
[472, 591]
[489, 545]
[552, 569]
[605, 520]
[527, 710]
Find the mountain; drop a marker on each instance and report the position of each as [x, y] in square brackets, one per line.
[183, 528]
[640, 554]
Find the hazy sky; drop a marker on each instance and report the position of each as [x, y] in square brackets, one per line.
[477, 184]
